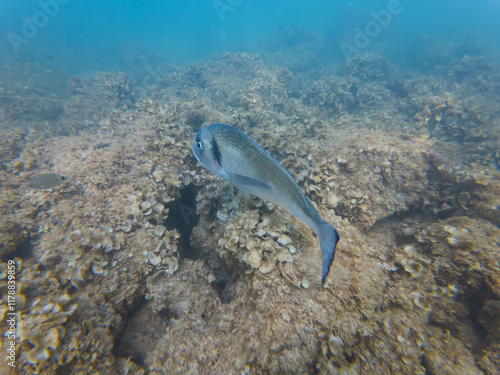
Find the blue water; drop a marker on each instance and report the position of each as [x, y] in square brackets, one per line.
[84, 36]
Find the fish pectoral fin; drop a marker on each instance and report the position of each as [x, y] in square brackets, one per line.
[240, 181]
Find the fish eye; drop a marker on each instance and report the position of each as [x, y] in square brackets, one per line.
[199, 145]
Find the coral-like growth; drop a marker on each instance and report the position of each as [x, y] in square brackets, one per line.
[145, 262]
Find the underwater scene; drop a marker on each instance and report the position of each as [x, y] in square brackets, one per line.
[249, 187]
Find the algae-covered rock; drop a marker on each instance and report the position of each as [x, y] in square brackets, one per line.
[144, 262]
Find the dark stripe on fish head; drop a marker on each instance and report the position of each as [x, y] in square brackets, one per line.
[216, 151]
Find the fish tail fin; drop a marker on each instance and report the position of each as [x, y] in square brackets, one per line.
[328, 238]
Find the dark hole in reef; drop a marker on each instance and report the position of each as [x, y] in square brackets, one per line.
[24, 250]
[474, 301]
[253, 122]
[142, 329]
[226, 277]
[182, 216]
[64, 369]
[195, 119]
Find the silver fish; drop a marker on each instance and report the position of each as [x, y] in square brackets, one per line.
[229, 153]
[46, 181]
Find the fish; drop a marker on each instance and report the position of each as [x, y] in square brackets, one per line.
[232, 155]
[46, 181]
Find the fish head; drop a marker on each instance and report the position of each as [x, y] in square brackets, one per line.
[206, 150]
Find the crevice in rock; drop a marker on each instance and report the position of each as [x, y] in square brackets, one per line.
[182, 217]
[226, 277]
[475, 300]
[23, 250]
[142, 328]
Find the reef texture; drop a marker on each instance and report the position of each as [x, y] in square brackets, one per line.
[142, 262]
